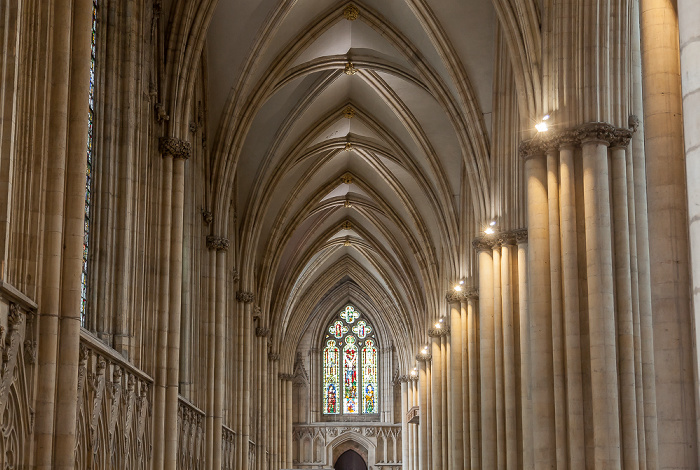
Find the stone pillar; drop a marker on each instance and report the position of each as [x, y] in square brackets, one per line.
[405, 460]
[289, 430]
[525, 357]
[180, 154]
[599, 255]
[423, 386]
[539, 307]
[623, 297]
[283, 420]
[245, 300]
[457, 396]
[474, 404]
[466, 385]
[668, 234]
[498, 356]
[264, 417]
[211, 354]
[571, 306]
[73, 236]
[60, 292]
[509, 364]
[689, 19]
[489, 457]
[220, 246]
[274, 399]
[436, 401]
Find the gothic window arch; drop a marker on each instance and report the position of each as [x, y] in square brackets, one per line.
[350, 365]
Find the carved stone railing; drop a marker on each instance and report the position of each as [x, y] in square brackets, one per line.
[191, 437]
[313, 442]
[228, 449]
[114, 419]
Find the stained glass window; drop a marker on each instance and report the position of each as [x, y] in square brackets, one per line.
[350, 366]
[369, 377]
[331, 361]
[88, 171]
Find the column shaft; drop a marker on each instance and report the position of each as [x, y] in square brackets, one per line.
[525, 359]
[511, 412]
[435, 404]
[474, 403]
[456, 393]
[487, 358]
[424, 462]
[219, 375]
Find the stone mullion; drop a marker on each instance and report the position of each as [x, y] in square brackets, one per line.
[571, 306]
[604, 383]
[558, 341]
[456, 393]
[668, 234]
[623, 297]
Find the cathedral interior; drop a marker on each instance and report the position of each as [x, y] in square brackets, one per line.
[365, 235]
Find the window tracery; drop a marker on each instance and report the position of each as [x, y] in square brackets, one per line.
[350, 366]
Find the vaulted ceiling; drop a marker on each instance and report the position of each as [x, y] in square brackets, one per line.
[349, 136]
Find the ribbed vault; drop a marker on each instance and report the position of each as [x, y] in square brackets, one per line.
[346, 147]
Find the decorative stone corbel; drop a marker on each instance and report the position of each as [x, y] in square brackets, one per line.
[245, 297]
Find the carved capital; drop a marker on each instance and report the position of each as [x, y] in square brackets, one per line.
[174, 147]
[437, 332]
[14, 316]
[472, 294]
[245, 297]
[422, 357]
[453, 296]
[621, 138]
[520, 235]
[595, 131]
[483, 244]
[282, 376]
[217, 243]
[272, 357]
[534, 147]
[261, 332]
[351, 13]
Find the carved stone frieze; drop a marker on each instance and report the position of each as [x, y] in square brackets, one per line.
[261, 332]
[483, 244]
[422, 357]
[245, 297]
[592, 131]
[437, 332]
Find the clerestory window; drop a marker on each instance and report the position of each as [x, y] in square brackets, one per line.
[350, 366]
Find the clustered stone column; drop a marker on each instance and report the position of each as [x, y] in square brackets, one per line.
[244, 342]
[590, 344]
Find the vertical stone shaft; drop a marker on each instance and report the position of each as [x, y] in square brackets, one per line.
[404, 423]
[571, 306]
[49, 307]
[487, 358]
[511, 412]
[557, 327]
[540, 312]
[525, 358]
[424, 463]
[457, 395]
[283, 423]
[650, 450]
[625, 326]
[247, 357]
[162, 323]
[474, 404]
[211, 356]
[289, 430]
[498, 356]
[416, 431]
[435, 403]
[175, 309]
[466, 386]
[689, 19]
[219, 372]
[444, 385]
[73, 236]
[668, 234]
[606, 432]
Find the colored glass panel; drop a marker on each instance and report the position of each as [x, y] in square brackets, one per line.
[88, 170]
[350, 385]
[338, 329]
[331, 369]
[362, 329]
[369, 377]
[350, 314]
